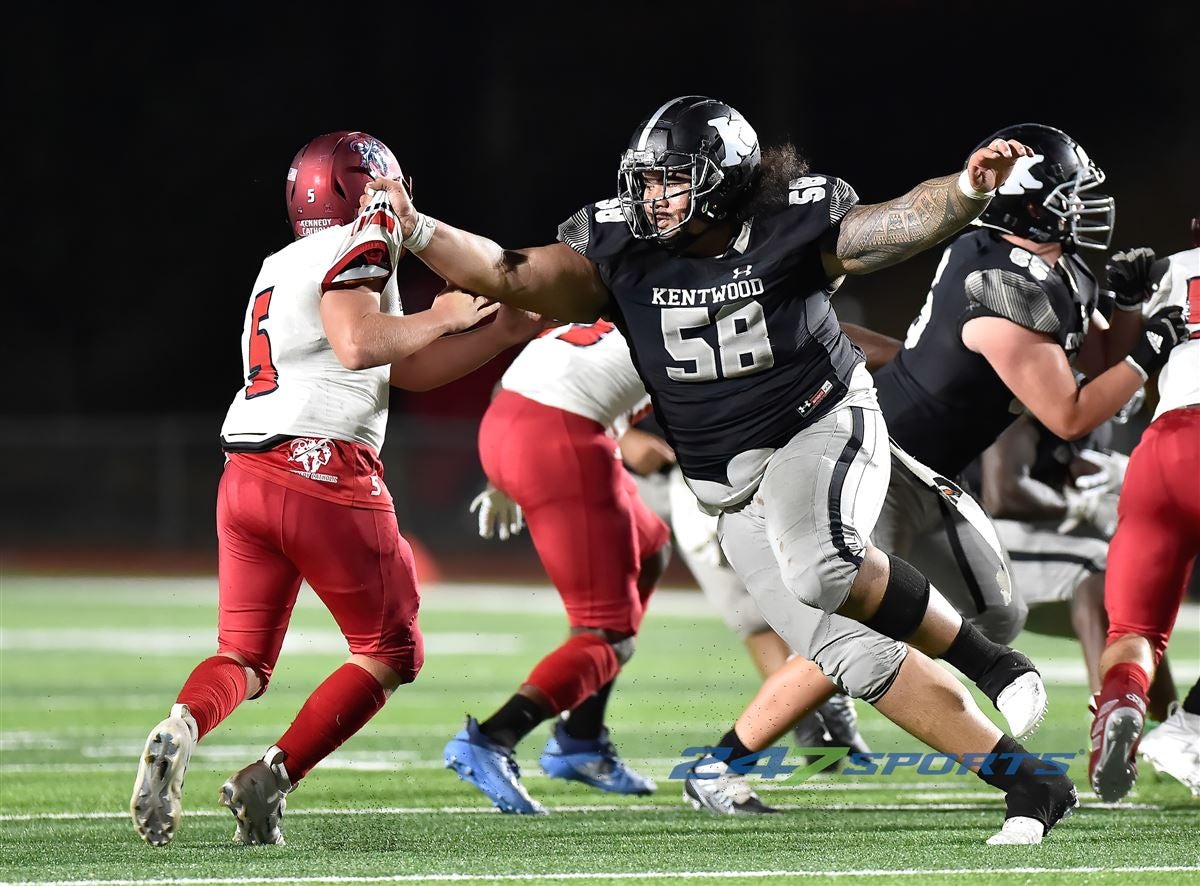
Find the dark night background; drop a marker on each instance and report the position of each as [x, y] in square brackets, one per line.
[151, 151]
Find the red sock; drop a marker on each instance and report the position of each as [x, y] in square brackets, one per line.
[338, 708]
[574, 671]
[1125, 681]
[213, 690]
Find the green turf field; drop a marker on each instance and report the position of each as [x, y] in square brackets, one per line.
[88, 666]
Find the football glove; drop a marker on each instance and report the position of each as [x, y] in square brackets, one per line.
[1109, 474]
[498, 514]
[1162, 332]
[1093, 506]
[1129, 277]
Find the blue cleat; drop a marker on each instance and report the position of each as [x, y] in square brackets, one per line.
[593, 762]
[491, 768]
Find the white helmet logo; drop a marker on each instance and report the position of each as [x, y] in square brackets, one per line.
[1021, 179]
[737, 136]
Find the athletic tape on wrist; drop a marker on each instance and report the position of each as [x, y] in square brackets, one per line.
[1138, 368]
[422, 233]
[969, 190]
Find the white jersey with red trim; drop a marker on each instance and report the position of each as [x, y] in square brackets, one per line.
[1179, 380]
[583, 369]
[294, 384]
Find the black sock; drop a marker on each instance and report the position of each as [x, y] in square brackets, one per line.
[974, 654]
[1191, 704]
[587, 719]
[513, 721]
[1046, 797]
[737, 749]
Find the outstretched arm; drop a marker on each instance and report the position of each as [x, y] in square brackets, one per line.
[554, 281]
[451, 357]
[877, 235]
[362, 336]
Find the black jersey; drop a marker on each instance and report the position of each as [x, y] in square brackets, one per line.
[943, 403]
[739, 351]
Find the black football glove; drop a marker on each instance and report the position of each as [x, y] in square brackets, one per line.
[1129, 276]
[1162, 332]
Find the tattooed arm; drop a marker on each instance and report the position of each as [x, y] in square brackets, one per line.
[881, 234]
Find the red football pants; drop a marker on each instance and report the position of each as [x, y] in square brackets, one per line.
[588, 524]
[1158, 530]
[355, 559]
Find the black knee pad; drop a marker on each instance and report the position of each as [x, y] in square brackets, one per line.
[904, 602]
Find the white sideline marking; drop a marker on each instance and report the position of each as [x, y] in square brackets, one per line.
[176, 641]
[597, 807]
[619, 875]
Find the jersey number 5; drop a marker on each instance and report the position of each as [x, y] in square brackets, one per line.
[741, 342]
[262, 378]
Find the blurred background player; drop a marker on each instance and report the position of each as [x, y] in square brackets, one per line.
[719, 269]
[1157, 538]
[302, 495]
[545, 444]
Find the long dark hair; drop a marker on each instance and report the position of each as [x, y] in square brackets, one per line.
[780, 165]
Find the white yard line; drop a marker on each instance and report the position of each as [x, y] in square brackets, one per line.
[613, 875]
[594, 807]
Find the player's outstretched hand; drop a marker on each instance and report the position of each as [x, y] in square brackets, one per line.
[461, 310]
[989, 167]
[1131, 277]
[519, 326]
[401, 202]
[498, 514]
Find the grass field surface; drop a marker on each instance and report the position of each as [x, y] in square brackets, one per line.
[88, 666]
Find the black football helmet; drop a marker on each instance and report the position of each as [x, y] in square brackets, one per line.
[706, 138]
[1046, 197]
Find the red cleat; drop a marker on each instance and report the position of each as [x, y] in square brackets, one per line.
[1116, 731]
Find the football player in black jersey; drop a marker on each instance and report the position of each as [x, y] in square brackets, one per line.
[719, 270]
[1011, 307]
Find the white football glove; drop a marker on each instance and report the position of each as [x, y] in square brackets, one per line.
[1097, 506]
[498, 514]
[1110, 474]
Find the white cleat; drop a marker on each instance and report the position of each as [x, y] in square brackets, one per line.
[1023, 704]
[1173, 747]
[157, 801]
[1018, 831]
[711, 786]
[257, 797]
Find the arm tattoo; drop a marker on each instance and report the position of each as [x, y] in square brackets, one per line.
[882, 234]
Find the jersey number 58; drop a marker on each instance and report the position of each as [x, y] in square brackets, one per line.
[742, 343]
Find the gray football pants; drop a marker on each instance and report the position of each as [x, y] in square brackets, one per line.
[918, 526]
[798, 541]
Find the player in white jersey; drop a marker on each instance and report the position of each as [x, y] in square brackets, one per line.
[1158, 528]
[545, 444]
[302, 495]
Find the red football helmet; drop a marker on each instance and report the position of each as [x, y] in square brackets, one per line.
[328, 176]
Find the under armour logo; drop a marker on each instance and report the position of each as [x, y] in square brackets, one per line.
[1155, 339]
[742, 272]
[1021, 179]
